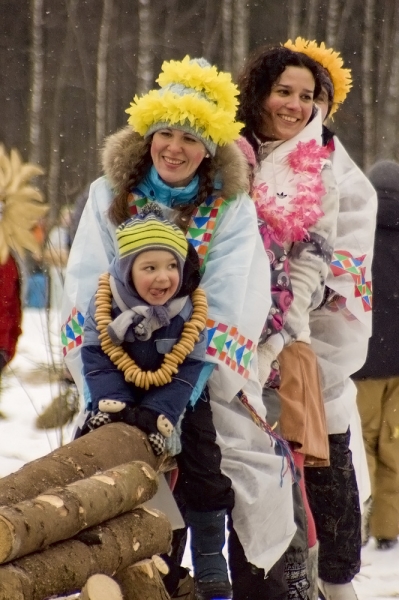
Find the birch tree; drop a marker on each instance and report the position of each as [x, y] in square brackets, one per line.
[145, 70]
[102, 65]
[240, 34]
[294, 19]
[390, 95]
[36, 99]
[227, 25]
[333, 14]
[54, 162]
[367, 84]
[311, 19]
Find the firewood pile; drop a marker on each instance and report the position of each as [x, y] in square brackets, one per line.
[74, 522]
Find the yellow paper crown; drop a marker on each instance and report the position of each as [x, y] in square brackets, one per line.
[21, 205]
[331, 61]
[193, 94]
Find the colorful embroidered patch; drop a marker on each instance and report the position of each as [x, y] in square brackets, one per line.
[72, 331]
[135, 202]
[202, 225]
[343, 262]
[228, 345]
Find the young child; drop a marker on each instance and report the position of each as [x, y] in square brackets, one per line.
[153, 295]
[149, 303]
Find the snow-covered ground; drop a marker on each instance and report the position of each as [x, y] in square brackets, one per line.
[28, 386]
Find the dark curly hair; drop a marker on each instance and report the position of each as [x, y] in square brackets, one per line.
[119, 210]
[256, 80]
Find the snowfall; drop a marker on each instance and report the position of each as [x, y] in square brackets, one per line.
[28, 386]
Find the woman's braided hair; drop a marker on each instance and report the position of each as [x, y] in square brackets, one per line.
[119, 209]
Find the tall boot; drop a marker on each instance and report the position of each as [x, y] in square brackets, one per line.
[313, 572]
[207, 541]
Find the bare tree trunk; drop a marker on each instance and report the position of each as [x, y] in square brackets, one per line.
[61, 513]
[79, 34]
[227, 26]
[333, 13]
[294, 18]
[171, 17]
[102, 64]
[36, 99]
[384, 69]
[55, 138]
[240, 35]
[344, 21]
[367, 84]
[107, 548]
[145, 73]
[389, 129]
[311, 19]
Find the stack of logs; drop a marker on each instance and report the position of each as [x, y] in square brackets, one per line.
[73, 521]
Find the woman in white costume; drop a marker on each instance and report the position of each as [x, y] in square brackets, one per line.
[340, 330]
[178, 152]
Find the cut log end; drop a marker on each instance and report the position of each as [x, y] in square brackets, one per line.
[7, 539]
[141, 581]
[101, 587]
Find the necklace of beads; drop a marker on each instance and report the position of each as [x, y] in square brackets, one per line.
[172, 360]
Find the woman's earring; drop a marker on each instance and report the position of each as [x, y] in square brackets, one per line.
[207, 155]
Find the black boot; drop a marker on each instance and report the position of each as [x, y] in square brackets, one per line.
[210, 567]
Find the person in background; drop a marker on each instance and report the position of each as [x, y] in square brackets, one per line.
[21, 207]
[340, 329]
[377, 381]
[179, 152]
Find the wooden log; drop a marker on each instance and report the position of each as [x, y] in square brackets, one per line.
[142, 581]
[61, 513]
[102, 449]
[101, 587]
[65, 567]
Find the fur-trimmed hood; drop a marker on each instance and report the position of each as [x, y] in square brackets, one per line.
[121, 150]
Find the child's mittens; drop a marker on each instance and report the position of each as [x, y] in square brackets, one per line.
[155, 425]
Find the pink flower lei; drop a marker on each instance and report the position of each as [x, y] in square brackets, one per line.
[290, 225]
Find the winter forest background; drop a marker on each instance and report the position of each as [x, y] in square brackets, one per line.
[69, 69]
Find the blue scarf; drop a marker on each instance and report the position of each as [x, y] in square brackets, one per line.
[154, 188]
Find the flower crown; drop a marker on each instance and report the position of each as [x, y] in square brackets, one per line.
[331, 61]
[192, 93]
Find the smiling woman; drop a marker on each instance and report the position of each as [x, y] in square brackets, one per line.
[289, 106]
[178, 153]
[176, 156]
[297, 204]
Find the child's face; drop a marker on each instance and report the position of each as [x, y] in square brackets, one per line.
[155, 276]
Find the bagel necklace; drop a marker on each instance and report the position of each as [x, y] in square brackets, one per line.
[120, 358]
